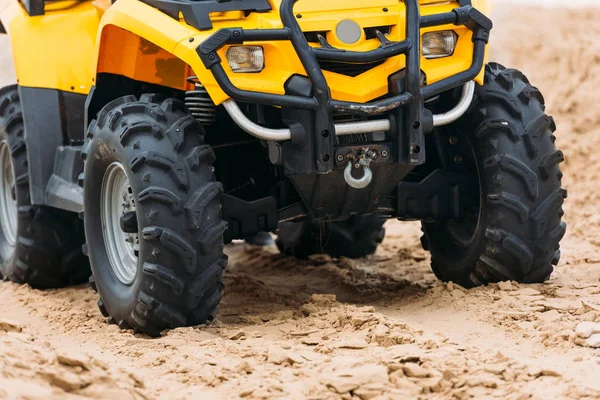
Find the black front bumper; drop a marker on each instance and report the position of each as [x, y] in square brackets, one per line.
[413, 119]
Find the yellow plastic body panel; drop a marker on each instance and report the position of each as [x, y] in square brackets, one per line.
[66, 49]
[55, 50]
[139, 59]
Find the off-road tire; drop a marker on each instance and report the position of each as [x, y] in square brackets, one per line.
[520, 226]
[354, 238]
[47, 251]
[180, 262]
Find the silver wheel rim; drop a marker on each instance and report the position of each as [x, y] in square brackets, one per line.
[117, 199]
[8, 201]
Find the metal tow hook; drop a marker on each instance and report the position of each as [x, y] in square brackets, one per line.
[364, 160]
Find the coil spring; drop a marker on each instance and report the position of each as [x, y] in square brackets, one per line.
[200, 104]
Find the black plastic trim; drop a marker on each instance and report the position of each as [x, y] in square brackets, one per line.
[245, 218]
[33, 7]
[439, 196]
[52, 118]
[197, 13]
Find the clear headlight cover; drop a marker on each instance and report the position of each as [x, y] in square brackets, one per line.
[246, 58]
[439, 44]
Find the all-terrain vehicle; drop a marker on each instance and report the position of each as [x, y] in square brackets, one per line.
[175, 126]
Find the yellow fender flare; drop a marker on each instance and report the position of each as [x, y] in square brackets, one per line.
[147, 39]
[55, 50]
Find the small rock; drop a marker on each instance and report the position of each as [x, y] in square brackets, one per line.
[276, 355]
[284, 315]
[328, 333]
[415, 371]
[513, 314]
[448, 375]
[496, 369]
[550, 316]
[245, 368]
[489, 383]
[559, 304]
[549, 372]
[251, 319]
[323, 298]
[304, 332]
[355, 344]
[73, 359]
[246, 392]
[311, 340]
[586, 329]
[346, 263]
[341, 385]
[380, 335]
[237, 335]
[590, 306]
[506, 286]
[320, 259]
[67, 381]
[369, 391]
[7, 325]
[534, 371]
[407, 389]
[529, 292]
[593, 341]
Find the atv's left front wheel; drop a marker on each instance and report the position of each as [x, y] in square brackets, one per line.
[512, 227]
[152, 215]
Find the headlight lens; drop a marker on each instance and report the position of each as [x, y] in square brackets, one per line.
[246, 58]
[439, 44]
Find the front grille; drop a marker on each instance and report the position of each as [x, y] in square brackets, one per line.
[348, 69]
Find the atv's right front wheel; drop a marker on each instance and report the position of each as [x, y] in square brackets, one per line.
[152, 215]
[512, 227]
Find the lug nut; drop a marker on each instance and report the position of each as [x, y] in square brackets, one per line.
[340, 157]
[385, 153]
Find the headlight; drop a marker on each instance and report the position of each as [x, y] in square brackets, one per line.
[439, 44]
[246, 58]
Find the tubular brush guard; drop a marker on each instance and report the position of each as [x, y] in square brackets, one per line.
[416, 119]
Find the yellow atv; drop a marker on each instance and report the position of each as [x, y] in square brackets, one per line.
[175, 126]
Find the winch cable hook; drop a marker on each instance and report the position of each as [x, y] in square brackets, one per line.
[367, 177]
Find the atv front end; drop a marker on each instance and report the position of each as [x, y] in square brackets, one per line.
[345, 157]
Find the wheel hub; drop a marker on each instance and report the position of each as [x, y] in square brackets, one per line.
[8, 200]
[117, 202]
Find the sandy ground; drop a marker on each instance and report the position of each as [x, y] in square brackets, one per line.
[377, 328]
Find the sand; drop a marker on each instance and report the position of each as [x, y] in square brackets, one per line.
[377, 328]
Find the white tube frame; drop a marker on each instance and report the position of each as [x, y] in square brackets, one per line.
[347, 128]
[460, 109]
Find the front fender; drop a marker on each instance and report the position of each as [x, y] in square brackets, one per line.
[55, 50]
[142, 43]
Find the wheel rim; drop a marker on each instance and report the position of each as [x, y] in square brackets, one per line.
[8, 198]
[117, 199]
